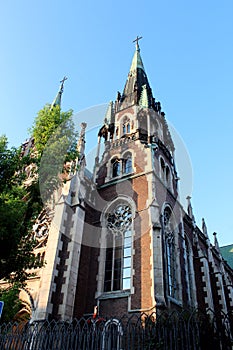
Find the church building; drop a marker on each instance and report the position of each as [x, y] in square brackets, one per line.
[119, 241]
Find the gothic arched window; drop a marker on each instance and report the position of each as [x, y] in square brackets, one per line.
[167, 176]
[189, 270]
[125, 125]
[170, 253]
[127, 164]
[118, 249]
[162, 169]
[116, 167]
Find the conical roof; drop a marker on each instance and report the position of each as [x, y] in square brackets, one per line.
[137, 88]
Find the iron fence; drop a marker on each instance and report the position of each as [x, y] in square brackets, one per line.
[175, 330]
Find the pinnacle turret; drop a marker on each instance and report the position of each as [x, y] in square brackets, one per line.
[216, 244]
[190, 211]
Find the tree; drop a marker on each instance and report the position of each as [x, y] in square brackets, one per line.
[10, 165]
[16, 245]
[12, 304]
[46, 124]
[20, 201]
[56, 147]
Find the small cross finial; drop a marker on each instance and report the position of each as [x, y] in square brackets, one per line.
[62, 83]
[136, 41]
[63, 80]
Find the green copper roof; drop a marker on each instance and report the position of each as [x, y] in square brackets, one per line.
[227, 253]
[143, 102]
[57, 100]
[137, 61]
[137, 89]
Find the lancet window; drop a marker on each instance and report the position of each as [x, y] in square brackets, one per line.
[189, 270]
[170, 253]
[118, 257]
[162, 169]
[165, 173]
[126, 128]
[121, 166]
[116, 167]
[127, 164]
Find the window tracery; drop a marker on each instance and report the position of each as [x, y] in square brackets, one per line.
[118, 250]
[121, 166]
[41, 227]
[126, 127]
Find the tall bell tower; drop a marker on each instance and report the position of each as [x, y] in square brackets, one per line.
[136, 181]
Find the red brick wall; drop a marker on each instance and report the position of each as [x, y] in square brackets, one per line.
[113, 307]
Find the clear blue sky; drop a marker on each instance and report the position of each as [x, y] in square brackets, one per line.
[187, 52]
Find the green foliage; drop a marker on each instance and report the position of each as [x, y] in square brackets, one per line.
[11, 165]
[46, 123]
[16, 244]
[12, 304]
[20, 201]
[58, 154]
[12, 209]
[19, 205]
[55, 142]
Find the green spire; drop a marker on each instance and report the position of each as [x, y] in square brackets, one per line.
[57, 100]
[137, 60]
[137, 89]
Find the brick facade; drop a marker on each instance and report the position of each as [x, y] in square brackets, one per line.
[171, 262]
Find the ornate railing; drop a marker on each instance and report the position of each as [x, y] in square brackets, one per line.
[168, 331]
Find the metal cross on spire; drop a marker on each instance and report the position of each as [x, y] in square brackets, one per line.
[57, 100]
[136, 41]
[62, 82]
